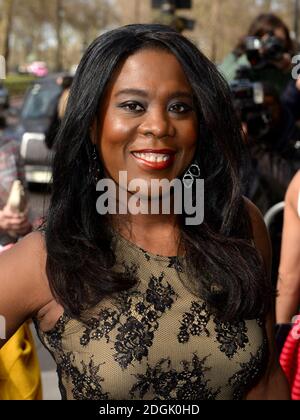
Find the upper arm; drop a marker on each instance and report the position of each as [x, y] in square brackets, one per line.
[290, 249]
[23, 284]
[273, 385]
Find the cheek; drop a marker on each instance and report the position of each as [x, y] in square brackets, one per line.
[191, 137]
[114, 137]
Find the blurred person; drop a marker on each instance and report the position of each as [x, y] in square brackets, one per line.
[274, 154]
[290, 357]
[276, 68]
[108, 291]
[65, 82]
[271, 136]
[278, 71]
[274, 131]
[19, 367]
[288, 301]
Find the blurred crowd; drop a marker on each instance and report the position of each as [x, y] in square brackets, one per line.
[260, 73]
[267, 99]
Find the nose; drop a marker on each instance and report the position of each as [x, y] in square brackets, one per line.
[157, 123]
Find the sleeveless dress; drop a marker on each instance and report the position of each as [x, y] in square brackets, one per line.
[156, 341]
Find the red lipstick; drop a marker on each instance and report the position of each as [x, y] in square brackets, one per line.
[154, 159]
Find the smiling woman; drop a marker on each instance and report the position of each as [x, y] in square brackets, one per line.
[151, 128]
[110, 291]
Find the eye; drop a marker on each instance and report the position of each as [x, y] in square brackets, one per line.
[180, 108]
[132, 107]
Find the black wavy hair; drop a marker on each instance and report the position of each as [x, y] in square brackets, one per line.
[228, 271]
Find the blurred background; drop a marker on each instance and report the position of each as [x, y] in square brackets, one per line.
[43, 42]
[58, 31]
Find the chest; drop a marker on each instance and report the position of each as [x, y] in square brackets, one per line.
[159, 342]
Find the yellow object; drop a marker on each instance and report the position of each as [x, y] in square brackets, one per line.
[20, 377]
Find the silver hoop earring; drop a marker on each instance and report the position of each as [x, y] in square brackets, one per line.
[191, 175]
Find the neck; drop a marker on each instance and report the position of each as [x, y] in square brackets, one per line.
[156, 233]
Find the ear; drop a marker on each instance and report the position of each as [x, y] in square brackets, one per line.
[94, 132]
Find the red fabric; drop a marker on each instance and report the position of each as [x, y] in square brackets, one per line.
[290, 359]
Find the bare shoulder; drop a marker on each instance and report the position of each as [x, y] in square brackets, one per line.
[24, 287]
[25, 264]
[28, 254]
[260, 232]
[296, 180]
[293, 191]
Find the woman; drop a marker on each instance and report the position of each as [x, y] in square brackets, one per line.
[144, 306]
[288, 300]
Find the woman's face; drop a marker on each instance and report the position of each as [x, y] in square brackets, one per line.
[148, 124]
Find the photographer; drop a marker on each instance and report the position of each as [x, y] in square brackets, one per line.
[271, 135]
[273, 158]
[267, 101]
[267, 50]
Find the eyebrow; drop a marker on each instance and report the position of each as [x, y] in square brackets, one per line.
[143, 93]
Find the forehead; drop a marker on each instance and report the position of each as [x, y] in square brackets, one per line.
[150, 68]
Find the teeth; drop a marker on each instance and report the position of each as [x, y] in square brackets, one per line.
[152, 157]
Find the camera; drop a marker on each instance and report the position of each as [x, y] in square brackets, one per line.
[248, 100]
[264, 51]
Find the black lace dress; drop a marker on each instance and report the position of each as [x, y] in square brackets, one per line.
[157, 341]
